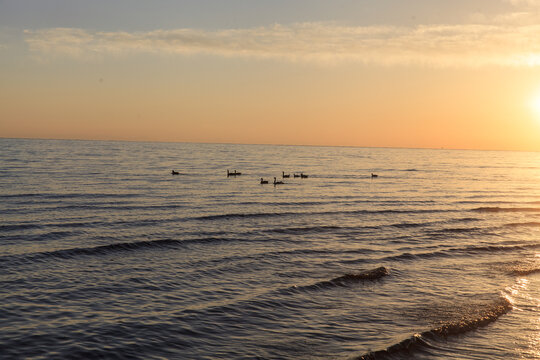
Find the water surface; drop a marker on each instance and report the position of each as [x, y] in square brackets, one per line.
[105, 254]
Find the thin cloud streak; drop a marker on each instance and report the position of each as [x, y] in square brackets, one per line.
[524, 2]
[468, 45]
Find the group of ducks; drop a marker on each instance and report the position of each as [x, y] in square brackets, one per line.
[276, 181]
[284, 176]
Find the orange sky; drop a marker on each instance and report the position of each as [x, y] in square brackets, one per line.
[314, 83]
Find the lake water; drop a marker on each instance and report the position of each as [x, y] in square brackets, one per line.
[105, 254]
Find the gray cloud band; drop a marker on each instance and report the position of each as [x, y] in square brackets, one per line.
[431, 45]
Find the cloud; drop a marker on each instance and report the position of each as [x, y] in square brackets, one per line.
[524, 2]
[432, 45]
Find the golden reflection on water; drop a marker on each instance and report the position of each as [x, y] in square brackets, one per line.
[533, 351]
[534, 342]
[516, 290]
[527, 296]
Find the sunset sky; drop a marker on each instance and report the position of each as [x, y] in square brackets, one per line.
[420, 73]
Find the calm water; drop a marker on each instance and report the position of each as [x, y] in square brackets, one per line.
[105, 254]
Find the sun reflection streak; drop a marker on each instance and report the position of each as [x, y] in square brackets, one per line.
[524, 294]
[534, 341]
[515, 291]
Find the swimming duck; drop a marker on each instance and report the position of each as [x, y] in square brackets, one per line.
[264, 181]
[302, 176]
[277, 182]
[234, 173]
[175, 172]
[374, 175]
[285, 176]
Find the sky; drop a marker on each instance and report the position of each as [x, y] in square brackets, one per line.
[459, 74]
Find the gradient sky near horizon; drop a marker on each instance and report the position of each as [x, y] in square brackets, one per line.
[419, 73]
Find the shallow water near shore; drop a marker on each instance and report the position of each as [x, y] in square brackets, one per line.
[105, 254]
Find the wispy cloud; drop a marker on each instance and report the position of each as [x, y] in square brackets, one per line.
[524, 2]
[433, 45]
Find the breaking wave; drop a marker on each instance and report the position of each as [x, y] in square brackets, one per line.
[490, 313]
[525, 271]
[346, 280]
[495, 209]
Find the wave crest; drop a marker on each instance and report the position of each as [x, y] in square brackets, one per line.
[70, 253]
[490, 313]
[347, 279]
[494, 209]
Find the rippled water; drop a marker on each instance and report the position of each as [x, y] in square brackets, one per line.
[105, 254]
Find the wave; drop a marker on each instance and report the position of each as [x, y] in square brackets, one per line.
[15, 227]
[521, 267]
[282, 203]
[495, 209]
[351, 212]
[243, 215]
[401, 225]
[523, 224]
[69, 196]
[523, 272]
[306, 229]
[346, 280]
[268, 301]
[450, 252]
[106, 249]
[474, 202]
[436, 222]
[87, 224]
[112, 206]
[490, 313]
[117, 206]
[446, 232]
[496, 248]
[9, 196]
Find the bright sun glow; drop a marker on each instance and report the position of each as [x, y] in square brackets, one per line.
[535, 104]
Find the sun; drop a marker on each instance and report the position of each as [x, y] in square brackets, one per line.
[535, 104]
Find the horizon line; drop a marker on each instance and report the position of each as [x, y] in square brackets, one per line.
[265, 144]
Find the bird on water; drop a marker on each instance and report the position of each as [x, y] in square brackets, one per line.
[234, 173]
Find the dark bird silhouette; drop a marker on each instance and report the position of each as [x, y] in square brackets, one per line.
[264, 181]
[296, 175]
[234, 173]
[285, 176]
[302, 176]
[277, 182]
[374, 175]
[175, 172]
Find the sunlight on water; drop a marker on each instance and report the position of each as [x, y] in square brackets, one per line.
[533, 349]
[525, 297]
